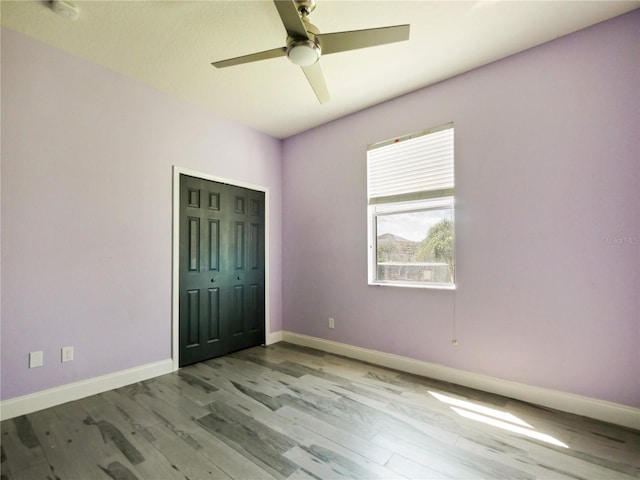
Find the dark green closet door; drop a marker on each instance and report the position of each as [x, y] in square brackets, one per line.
[221, 269]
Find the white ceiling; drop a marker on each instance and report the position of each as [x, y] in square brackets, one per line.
[170, 46]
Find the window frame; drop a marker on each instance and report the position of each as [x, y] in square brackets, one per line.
[429, 200]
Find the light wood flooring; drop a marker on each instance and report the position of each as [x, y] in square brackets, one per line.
[289, 412]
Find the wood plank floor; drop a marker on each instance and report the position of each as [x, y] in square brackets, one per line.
[288, 412]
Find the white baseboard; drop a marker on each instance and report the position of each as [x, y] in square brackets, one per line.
[33, 402]
[274, 337]
[566, 402]
[73, 391]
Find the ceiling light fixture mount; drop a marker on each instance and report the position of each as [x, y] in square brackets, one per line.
[305, 7]
[65, 9]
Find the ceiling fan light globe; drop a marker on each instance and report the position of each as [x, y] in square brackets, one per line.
[303, 53]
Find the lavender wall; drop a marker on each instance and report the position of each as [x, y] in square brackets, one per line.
[547, 221]
[87, 159]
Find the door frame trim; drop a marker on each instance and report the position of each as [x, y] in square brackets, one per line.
[175, 253]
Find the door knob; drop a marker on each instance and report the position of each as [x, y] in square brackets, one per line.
[213, 280]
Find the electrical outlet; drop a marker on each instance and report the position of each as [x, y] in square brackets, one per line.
[67, 354]
[332, 323]
[36, 359]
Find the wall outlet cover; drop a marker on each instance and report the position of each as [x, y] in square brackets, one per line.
[67, 354]
[36, 359]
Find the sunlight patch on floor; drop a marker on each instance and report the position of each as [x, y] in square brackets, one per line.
[496, 418]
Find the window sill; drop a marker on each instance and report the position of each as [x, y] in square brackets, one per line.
[413, 285]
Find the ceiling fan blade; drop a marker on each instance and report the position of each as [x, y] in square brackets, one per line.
[290, 17]
[254, 57]
[316, 80]
[343, 41]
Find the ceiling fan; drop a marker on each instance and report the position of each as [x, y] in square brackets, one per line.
[305, 43]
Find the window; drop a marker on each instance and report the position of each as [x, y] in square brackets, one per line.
[410, 183]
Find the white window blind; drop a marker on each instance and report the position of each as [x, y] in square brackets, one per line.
[415, 167]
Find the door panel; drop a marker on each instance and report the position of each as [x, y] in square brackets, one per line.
[255, 307]
[214, 244]
[238, 310]
[193, 318]
[221, 269]
[238, 246]
[194, 244]
[214, 315]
